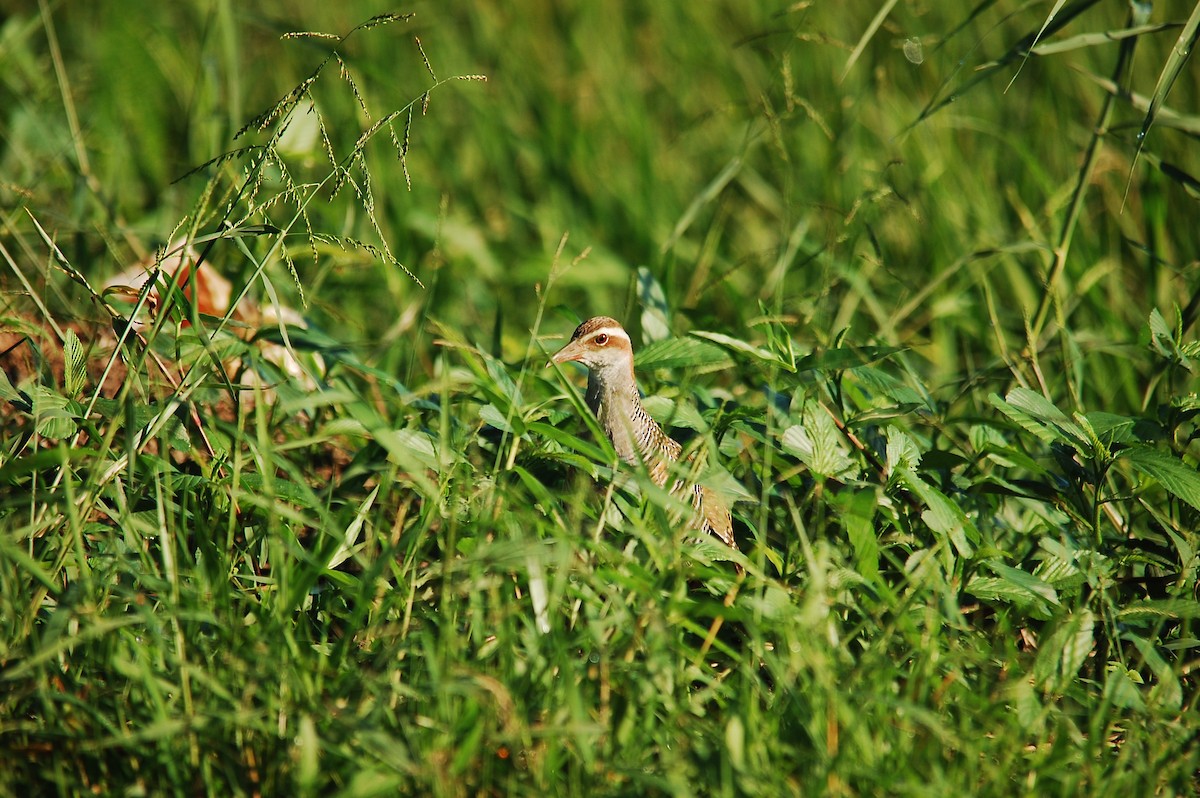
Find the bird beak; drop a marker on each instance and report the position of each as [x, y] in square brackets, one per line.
[572, 351]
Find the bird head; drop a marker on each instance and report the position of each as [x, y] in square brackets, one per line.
[602, 345]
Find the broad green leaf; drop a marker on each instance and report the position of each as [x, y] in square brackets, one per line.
[738, 345]
[1174, 609]
[56, 416]
[1122, 691]
[409, 448]
[669, 413]
[1179, 480]
[689, 353]
[1026, 581]
[902, 451]
[943, 516]
[1162, 337]
[1038, 415]
[490, 414]
[878, 384]
[1112, 428]
[856, 510]
[819, 444]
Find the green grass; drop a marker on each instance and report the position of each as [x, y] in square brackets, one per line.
[929, 304]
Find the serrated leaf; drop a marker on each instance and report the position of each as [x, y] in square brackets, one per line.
[1026, 581]
[55, 416]
[74, 368]
[1174, 609]
[1112, 428]
[878, 383]
[818, 443]
[1179, 480]
[902, 451]
[1041, 417]
[738, 345]
[688, 353]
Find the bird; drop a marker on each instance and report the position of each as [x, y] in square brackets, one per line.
[602, 345]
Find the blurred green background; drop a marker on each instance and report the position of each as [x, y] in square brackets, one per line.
[743, 152]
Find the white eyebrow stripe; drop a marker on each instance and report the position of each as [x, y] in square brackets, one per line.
[611, 332]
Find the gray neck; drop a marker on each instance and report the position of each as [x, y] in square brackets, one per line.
[616, 404]
[634, 434]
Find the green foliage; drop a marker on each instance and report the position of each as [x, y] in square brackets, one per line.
[919, 286]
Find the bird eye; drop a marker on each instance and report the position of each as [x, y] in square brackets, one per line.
[601, 339]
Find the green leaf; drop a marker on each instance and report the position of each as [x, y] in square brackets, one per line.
[1095, 39]
[1025, 581]
[682, 353]
[902, 451]
[491, 415]
[669, 413]
[349, 540]
[74, 368]
[1112, 428]
[878, 384]
[1174, 609]
[9, 393]
[654, 307]
[56, 416]
[409, 448]
[1039, 415]
[846, 357]
[1122, 691]
[818, 443]
[1061, 656]
[943, 516]
[1179, 480]
[1167, 692]
[856, 510]
[1178, 57]
[740, 346]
